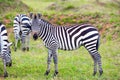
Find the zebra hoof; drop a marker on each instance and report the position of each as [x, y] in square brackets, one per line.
[23, 49]
[101, 72]
[94, 73]
[5, 74]
[27, 48]
[46, 73]
[56, 73]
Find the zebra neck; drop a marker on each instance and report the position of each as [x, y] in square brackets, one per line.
[45, 31]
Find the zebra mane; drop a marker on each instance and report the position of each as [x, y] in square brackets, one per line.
[47, 22]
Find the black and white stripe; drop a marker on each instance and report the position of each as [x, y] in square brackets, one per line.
[67, 38]
[22, 29]
[5, 52]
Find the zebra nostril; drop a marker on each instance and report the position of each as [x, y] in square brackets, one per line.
[20, 33]
[10, 64]
[35, 16]
[35, 36]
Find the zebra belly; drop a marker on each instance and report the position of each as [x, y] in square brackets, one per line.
[69, 44]
[61, 48]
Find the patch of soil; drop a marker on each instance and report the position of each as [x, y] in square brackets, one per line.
[105, 27]
[2, 77]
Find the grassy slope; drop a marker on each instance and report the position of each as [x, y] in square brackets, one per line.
[73, 65]
[9, 9]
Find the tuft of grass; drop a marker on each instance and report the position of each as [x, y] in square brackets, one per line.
[68, 7]
[99, 27]
[114, 18]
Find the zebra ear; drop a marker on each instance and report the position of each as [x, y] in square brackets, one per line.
[39, 15]
[9, 44]
[31, 14]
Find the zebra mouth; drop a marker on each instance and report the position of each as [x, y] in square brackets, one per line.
[9, 64]
[35, 36]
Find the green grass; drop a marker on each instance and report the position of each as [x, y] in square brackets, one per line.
[72, 65]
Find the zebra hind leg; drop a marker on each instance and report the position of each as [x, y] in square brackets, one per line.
[27, 42]
[92, 47]
[100, 64]
[97, 60]
[95, 66]
[5, 71]
[15, 44]
[23, 43]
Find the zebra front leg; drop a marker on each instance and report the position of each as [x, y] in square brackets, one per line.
[48, 62]
[55, 59]
[5, 71]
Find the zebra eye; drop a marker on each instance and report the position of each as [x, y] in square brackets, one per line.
[9, 51]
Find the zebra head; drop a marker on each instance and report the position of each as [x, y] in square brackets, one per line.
[7, 56]
[35, 22]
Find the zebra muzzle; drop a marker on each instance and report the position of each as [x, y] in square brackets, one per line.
[9, 64]
[35, 36]
[20, 33]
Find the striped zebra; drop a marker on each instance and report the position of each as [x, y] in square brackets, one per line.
[5, 52]
[22, 29]
[66, 38]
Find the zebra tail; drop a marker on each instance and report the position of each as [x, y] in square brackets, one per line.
[98, 43]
